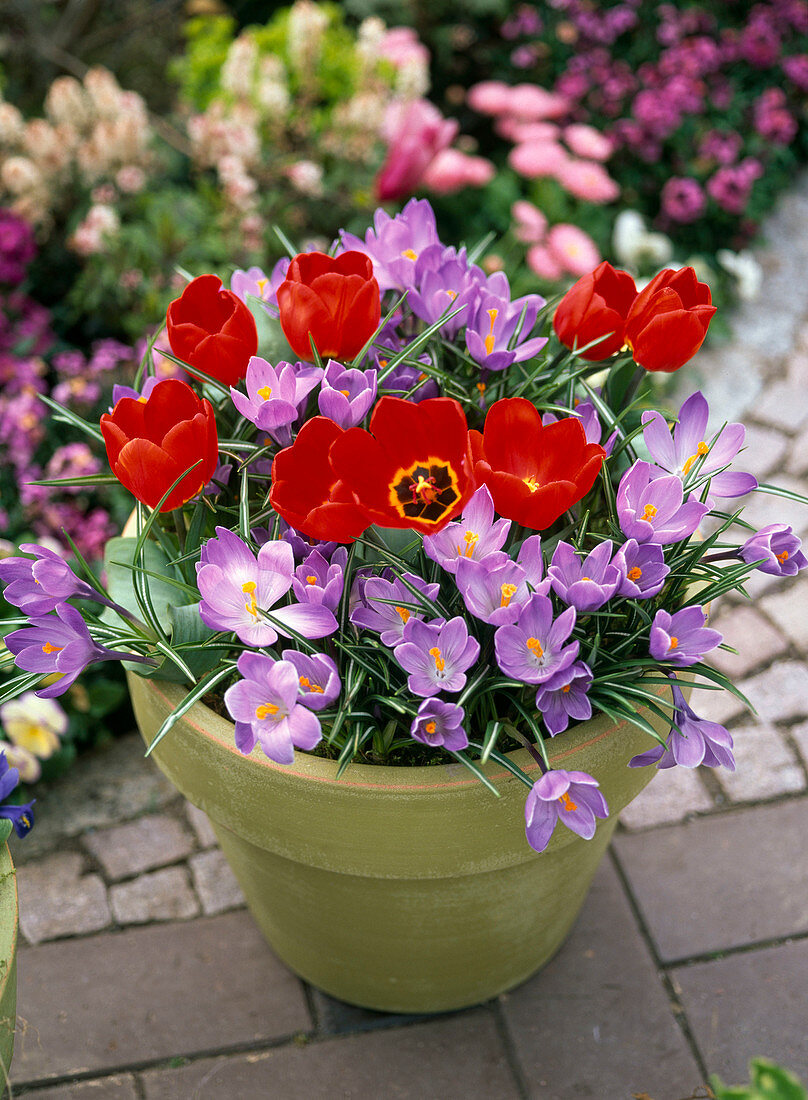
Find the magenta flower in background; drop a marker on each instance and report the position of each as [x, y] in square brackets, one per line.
[236, 587]
[584, 585]
[695, 742]
[38, 584]
[683, 200]
[415, 132]
[436, 655]
[491, 333]
[796, 69]
[264, 705]
[496, 587]
[565, 696]
[682, 638]
[395, 243]
[775, 548]
[533, 649]
[475, 535]
[691, 447]
[346, 394]
[259, 285]
[440, 724]
[573, 798]
[386, 606]
[318, 678]
[651, 509]
[17, 248]
[722, 146]
[274, 395]
[319, 581]
[642, 569]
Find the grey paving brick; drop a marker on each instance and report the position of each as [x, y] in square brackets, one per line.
[783, 405]
[151, 841]
[160, 895]
[780, 693]
[766, 765]
[721, 881]
[58, 899]
[756, 641]
[455, 1058]
[799, 735]
[797, 461]
[761, 509]
[144, 994]
[717, 706]
[199, 822]
[596, 1021]
[673, 794]
[215, 883]
[764, 451]
[748, 1004]
[789, 610]
[102, 1088]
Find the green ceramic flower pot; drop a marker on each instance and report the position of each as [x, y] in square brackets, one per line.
[8, 950]
[399, 889]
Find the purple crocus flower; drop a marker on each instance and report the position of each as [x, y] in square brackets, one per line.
[436, 655]
[264, 705]
[690, 444]
[119, 391]
[387, 605]
[440, 724]
[446, 281]
[274, 395]
[319, 581]
[37, 585]
[475, 535]
[564, 696]
[584, 585]
[642, 569]
[491, 331]
[301, 544]
[695, 742]
[318, 678]
[21, 816]
[593, 429]
[650, 509]
[533, 650]
[682, 638]
[573, 798]
[496, 588]
[775, 549]
[395, 243]
[255, 282]
[346, 394]
[406, 381]
[59, 644]
[236, 587]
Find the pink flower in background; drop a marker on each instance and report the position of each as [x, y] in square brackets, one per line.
[490, 97]
[531, 103]
[452, 170]
[415, 133]
[586, 179]
[586, 141]
[543, 263]
[531, 224]
[402, 46]
[683, 199]
[538, 158]
[518, 132]
[575, 250]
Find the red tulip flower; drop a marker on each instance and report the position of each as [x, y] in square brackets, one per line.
[668, 321]
[210, 328]
[307, 492]
[533, 472]
[151, 442]
[332, 299]
[413, 468]
[597, 305]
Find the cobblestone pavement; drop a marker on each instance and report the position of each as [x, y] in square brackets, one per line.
[141, 974]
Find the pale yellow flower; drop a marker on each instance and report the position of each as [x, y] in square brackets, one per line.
[34, 724]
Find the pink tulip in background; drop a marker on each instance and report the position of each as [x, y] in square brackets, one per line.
[415, 132]
[452, 170]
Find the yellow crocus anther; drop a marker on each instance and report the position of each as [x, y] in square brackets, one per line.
[265, 710]
[440, 664]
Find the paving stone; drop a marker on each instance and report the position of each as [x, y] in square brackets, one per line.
[151, 841]
[799, 735]
[112, 784]
[766, 765]
[169, 990]
[58, 899]
[161, 895]
[721, 881]
[730, 383]
[717, 706]
[672, 795]
[783, 405]
[215, 883]
[761, 509]
[103, 1088]
[337, 1017]
[764, 451]
[789, 610]
[797, 462]
[754, 638]
[200, 823]
[748, 1004]
[596, 1021]
[780, 693]
[455, 1058]
[769, 332]
[797, 365]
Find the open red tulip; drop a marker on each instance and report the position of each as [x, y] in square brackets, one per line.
[210, 328]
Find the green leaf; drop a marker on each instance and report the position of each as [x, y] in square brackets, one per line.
[193, 696]
[162, 580]
[475, 770]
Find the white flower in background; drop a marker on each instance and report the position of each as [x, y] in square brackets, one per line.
[19, 174]
[705, 273]
[104, 92]
[635, 247]
[130, 179]
[45, 147]
[307, 24]
[34, 724]
[746, 270]
[238, 71]
[307, 177]
[67, 102]
[24, 761]
[11, 124]
[93, 235]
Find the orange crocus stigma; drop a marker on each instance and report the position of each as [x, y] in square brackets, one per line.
[265, 393]
[507, 591]
[535, 647]
[471, 538]
[248, 589]
[440, 664]
[430, 727]
[649, 511]
[635, 573]
[311, 579]
[489, 340]
[409, 254]
[48, 647]
[701, 449]
[306, 683]
[266, 710]
[404, 613]
[674, 642]
[782, 558]
[567, 803]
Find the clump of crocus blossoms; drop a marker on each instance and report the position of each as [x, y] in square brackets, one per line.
[428, 529]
